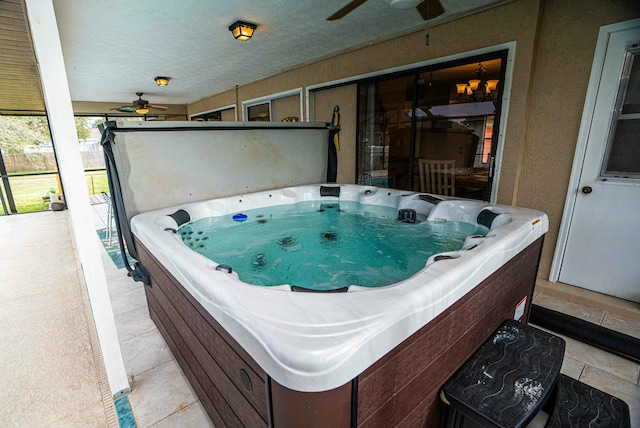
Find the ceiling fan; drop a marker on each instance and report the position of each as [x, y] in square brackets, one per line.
[139, 106]
[428, 9]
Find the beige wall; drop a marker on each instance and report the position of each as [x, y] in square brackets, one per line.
[223, 99]
[555, 40]
[228, 115]
[346, 98]
[286, 107]
[561, 73]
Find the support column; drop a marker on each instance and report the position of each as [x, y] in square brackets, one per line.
[46, 40]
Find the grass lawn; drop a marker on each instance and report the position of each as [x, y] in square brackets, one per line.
[29, 190]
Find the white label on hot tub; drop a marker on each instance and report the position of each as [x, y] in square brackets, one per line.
[520, 309]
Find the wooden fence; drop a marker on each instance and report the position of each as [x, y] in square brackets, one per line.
[46, 161]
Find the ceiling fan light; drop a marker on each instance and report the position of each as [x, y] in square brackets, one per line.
[162, 81]
[242, 30]
[142, 110]
[403, 4]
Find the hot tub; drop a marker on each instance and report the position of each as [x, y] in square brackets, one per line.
[267, 356]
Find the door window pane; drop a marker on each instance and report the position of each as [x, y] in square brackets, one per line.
[632, 94]
[624, 157]
[623, 151]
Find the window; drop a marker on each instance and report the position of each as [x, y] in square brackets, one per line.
[259, 113]
[225, 114]
[281, 107]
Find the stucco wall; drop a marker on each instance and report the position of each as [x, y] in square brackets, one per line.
[286, 107]
[346, 98]
[561, 73]
[555, 41]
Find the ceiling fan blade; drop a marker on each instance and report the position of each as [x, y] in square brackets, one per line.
[345, 10]
[430, 9]
[124, 109]
[157, 107]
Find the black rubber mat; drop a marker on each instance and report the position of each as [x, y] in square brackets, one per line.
[579, 405]
[608, 340]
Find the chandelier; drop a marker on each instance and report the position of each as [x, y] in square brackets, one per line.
[477, 90]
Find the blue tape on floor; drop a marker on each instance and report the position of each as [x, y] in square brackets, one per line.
[125, 415]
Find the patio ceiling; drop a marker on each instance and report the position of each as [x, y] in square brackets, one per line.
[114, 49]
[19, 80]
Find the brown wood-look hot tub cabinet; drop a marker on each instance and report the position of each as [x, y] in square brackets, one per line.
[400, 389]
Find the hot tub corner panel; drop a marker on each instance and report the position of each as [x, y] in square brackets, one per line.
[403, 387]
[230, 384]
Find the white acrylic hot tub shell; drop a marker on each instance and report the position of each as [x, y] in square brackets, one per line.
[314, 341]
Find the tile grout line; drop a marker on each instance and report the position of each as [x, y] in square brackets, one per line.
[175, 413]
[103, 382]
[584, 366]
[571, 294]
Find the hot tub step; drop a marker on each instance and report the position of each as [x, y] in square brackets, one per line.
[508, 380]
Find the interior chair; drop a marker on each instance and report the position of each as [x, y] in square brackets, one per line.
[437, 176]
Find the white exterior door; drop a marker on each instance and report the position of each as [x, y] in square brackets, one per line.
[601, 224]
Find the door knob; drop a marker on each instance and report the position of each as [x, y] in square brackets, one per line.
[586, 190]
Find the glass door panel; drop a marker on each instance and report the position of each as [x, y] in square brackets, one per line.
[384, 129]
[437, 137]
[460, 106]
[446, 113]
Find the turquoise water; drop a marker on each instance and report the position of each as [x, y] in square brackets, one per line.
[323, 245]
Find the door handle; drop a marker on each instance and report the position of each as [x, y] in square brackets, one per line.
[586, 190]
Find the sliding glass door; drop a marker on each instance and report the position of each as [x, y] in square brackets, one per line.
[441, 113]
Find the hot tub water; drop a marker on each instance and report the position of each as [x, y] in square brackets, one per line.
[322, 246]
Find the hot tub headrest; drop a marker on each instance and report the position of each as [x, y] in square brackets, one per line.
[430, 198]
[491, 219]
[486, 217]
[181, 217]
[330, 191]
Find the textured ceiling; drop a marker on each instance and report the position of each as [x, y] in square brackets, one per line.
[114, 49]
